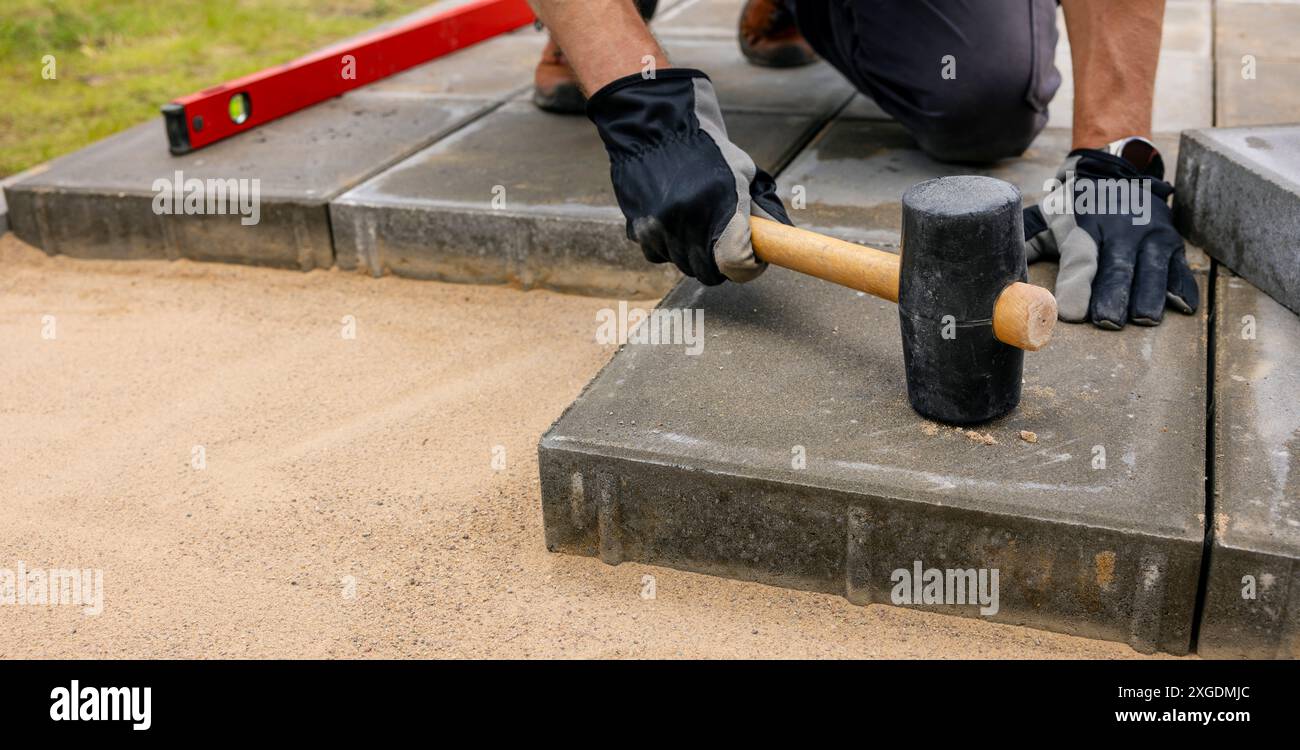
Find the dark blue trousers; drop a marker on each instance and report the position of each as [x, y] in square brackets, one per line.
[969, 79]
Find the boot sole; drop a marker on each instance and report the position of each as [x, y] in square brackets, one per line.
[785, 56]
[563, 100]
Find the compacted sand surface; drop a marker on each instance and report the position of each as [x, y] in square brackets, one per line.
[253, 482]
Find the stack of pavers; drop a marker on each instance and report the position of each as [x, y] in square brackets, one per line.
[783, 450]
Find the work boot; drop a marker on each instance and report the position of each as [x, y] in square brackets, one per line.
[555, 86]
[770, 37]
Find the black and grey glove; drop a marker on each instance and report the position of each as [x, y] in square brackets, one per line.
[686, 190]
[1109, 223]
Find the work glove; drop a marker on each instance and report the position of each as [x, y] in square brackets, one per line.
[1121, 260]
[686, 190]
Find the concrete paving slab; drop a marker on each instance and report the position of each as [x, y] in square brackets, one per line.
[492, 205]
[742, 87]
[9, 181]
[4, 208]
[863, 107]
[1256, 27]
[1252, 601]
[717, 19]
[521, 197]
[1239, 197]
[850, 178]
[1270, 98]
[1188, 27]
[6, 183]
[1257, 63]
[785, 452]
[1184, 93]
[494, 69]
[99, 202]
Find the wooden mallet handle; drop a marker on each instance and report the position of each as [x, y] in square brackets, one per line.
[1023, 315]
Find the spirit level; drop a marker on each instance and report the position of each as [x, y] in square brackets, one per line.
[219, 112]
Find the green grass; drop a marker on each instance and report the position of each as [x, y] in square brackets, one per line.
[118, 61]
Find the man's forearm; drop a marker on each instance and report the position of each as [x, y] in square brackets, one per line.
[603, 40]
[1115, 47]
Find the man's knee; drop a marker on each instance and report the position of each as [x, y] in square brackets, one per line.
[982, 123]
[930, 66]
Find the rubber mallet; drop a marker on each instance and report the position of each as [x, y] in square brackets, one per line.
[965, 310]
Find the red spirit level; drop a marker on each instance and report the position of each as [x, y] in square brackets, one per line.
[199, 119]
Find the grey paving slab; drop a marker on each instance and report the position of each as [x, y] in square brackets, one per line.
[1252, 602]
[850, 178]
[703, 34]
[99, 202]
[9, 181]
[718, 19]
[813, 89]
[693, 462]
[863, 107]
[1238, 197]
[494, 69]
[1256, 27]
[5, 184]
[1257, 63]
[1269, 98]
[741, 87]
[555, 222]
[522, 197]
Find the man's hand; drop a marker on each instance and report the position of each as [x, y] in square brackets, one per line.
[685, 189]
[1110, 225]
